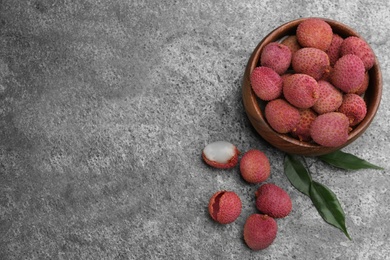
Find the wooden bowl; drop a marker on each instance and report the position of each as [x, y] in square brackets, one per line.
[255, 107]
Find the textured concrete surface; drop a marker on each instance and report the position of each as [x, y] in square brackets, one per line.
[105, 107]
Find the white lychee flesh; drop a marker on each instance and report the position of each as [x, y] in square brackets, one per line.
[220, 151]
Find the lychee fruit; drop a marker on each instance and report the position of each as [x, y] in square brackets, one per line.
[281, 116]
[354, 107]
[300, 90]
[259, 231]
[221, 154]
[273, 201]
[330, 129]
[225, 206]
[314, 32]
[334, 49]
[359, 47]
[276, 56]
[330, 98]
[311, 61]
[302, 129]
[292, 43]
[266, 83]
[255, 166]
[363, 87]
[348, 73]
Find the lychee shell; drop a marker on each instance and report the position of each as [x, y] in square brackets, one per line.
[255, 166]
[330, 129]
[281, 116]
[273, 201]
[225, 207]
[259, 231]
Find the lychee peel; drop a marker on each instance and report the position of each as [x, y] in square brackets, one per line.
[273, 201]
[292, 43]
[281, 116]
[302, 129]
[334, 49]
[330, 98]
[348, 73]
[354, 107]
[255, 166]
[259, 231]
[314, 32]
[359, 47]
[266, 83]
[276, 56]
[300, 90]
[225, 206]
[221, 154]
[330, 129]
[311, 61]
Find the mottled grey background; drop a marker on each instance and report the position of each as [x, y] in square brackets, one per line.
[107, 105]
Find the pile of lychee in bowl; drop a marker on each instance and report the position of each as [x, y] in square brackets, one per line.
[312, 86]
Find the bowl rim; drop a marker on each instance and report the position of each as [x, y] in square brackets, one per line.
[285, 142]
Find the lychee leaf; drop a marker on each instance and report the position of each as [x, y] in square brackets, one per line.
[297, 174]
[328, 206]
[347, 161]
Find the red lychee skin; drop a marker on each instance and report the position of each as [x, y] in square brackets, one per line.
[292, 43]
[259, 231]
[300, 90]
[357, 46]
[354, 107]
[255, 166]
[334, 49]
[225, 206]
[230, 164]
[273, 201]
[276, 56]
[281, 116]
[330, 98]
[314, 32]
[363, 87]
[330, 129]
[266, 83]
[302, 129]
[348, 73]
[310, 61]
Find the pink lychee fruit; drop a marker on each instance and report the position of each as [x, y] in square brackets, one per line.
[330, 129]
[225, 206]
[330, 98]
[221, 154]
[334, 49]
[266, 83]
[348, 73]
[281, 116]
[302, 129]
[314, 32]
[276, 56]
[354, 107]
[273, 201]
[255, 166]
[300, 90]
[260, 231]
[363, 87]
[292, 43]
[311, 61]
[359, 47]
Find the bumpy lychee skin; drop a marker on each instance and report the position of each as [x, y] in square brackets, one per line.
[354, 107]
[300, 90]
[273, 201]
[302, 129]
[225, 206]
[330, 129]
[334, 49]
[363, 87]
[281, 116]
[311, 61]
[314, 32]
[276, 56]
[260, 231]
[292, 43]
[255, 166]
[348, 73]
[266, 83]
[221, 154]
[357, 46]
[330, 98]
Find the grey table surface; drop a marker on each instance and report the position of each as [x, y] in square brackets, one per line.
[107, 105]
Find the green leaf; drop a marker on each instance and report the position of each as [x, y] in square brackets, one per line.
[297, 174]
[347, 161]
[328, 206]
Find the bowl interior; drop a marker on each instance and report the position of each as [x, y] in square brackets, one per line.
[254, 106]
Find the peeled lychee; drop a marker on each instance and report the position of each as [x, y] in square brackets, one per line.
[311, 61]
[330, 98]
[348, 73]
[255, 166]
[221, 154]
[314, 32]
[266, 83]
[292, 43]
[302, 129]
[300, 90]
[273, 201]
[330, 129]
[281, 116]
[276, 56]
[225, 206]
[357, 46]
[259, 231]
[354, 107]
[334, 49]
